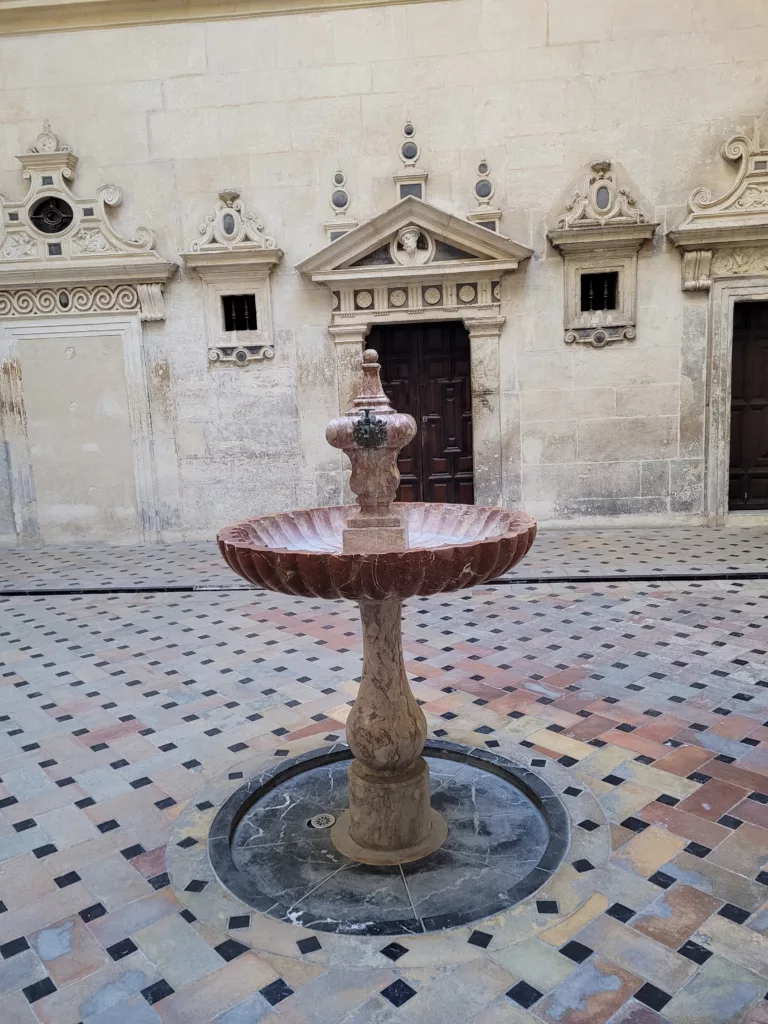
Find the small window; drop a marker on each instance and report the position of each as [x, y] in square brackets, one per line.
[599, 291]
[239, 312]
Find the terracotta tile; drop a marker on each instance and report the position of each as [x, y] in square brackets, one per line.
[589, 996]
[675, 915]
[690, 826]
[68, 951]
[646, 853]
[684, 760]
[751, 810]
[633, 951]
[732, 773]
[150, 863]
[721, 992]
[634, 741]
[590, 728]
[209, 996]
[713, 799]
[660, 729]
[734, 727]
[744, 851]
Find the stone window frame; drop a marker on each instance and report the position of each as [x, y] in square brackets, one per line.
[594, 239]
[233, 256]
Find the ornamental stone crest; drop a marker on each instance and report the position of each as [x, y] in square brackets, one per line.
[62, 254]
[727, 235]
[231, 225]
[603, 201]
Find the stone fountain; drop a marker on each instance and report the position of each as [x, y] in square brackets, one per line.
[379, 553]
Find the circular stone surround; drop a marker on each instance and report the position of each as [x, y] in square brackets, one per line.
[508, 833]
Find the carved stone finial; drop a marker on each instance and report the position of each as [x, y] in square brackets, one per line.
[47, 141]
[372, 435]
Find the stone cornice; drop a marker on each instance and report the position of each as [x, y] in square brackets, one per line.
[18, 17]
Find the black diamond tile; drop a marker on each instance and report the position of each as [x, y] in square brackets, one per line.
[583, 865]
[734, 913]
[693, 951]
[196, 885]
[524, 995]
[69, 879]
[39, 990]
[634, 824]
[698, 850]
[399, 992]
[9, 949]
[394, 951]
[576, 951]
[547, 907]
[154, 993]
[620, 912]
[588, 825]
[652, 997]
[309, 945]
[230, 949]
[665, 798]
[276, 991]
[481, 939]
[92, 912]
[188, 916]
[133, 851]
[662, 879]
[121, 949]
[159, 881]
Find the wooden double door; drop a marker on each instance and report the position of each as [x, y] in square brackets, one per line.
[426, 372]
[748, 481]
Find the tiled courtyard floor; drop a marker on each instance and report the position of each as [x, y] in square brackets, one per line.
[647, 702]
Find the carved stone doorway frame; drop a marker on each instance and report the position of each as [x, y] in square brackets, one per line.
[723, 296]
[455, 273]
[723, 241]
[484, 334]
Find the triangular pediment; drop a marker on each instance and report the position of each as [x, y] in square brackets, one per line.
[413, 238]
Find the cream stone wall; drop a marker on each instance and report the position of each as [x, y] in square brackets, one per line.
[275, 105]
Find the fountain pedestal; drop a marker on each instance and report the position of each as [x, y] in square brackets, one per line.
[390, 820]
[379, 553]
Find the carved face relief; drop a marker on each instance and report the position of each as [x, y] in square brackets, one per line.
[412, 247]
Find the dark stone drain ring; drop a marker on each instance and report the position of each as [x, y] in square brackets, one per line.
[267, 857]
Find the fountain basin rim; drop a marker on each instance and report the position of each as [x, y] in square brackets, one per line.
[517, 524]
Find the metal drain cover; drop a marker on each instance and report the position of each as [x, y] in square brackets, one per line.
[322, 821]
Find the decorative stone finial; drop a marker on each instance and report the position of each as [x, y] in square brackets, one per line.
[372, 434]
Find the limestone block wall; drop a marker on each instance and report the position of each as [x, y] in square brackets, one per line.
[275, 105]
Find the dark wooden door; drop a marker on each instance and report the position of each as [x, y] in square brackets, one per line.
[426, 372]
[748, 486]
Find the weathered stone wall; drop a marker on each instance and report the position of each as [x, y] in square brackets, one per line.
[275, 105]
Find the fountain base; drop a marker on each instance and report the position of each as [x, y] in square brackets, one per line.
[271, 845]
[390, 820]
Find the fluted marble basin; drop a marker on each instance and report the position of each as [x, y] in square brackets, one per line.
[450, 547]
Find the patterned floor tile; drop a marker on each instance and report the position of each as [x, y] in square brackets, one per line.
[117, 710]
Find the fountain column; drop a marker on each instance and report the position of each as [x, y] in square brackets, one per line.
[390, 819]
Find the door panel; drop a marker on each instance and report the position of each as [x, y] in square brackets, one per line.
[748, 484]
[426, 372]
